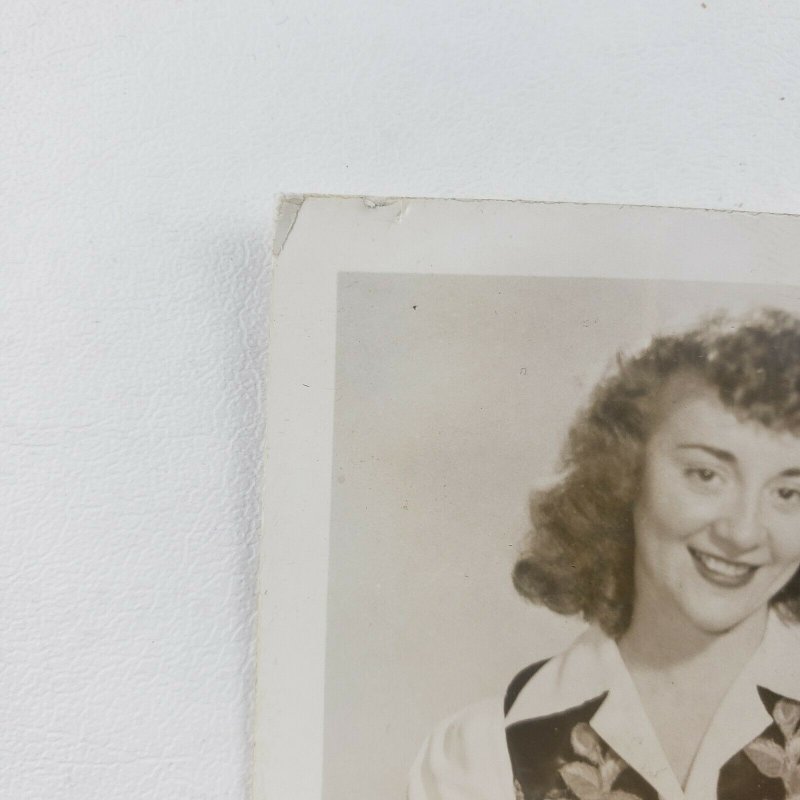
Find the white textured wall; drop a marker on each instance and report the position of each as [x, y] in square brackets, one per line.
[141, 148]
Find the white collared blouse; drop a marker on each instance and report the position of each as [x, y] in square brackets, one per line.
[474, 756]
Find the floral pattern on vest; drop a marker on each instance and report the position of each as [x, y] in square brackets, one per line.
[769, 767]
[561, 757]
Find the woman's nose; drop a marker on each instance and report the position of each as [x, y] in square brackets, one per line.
[742, 528]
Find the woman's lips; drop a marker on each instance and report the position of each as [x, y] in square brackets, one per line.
[721, 571]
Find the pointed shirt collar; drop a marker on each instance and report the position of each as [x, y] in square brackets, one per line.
[593, 666]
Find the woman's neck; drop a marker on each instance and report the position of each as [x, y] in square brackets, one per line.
[662, 639]
[682, 673]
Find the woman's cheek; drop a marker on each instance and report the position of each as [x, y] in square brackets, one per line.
[682, 513]
[786, 548]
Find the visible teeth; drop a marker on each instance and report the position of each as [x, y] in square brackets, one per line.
[723, 567]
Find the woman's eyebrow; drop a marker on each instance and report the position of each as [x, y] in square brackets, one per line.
[722, 455]
[730, 458]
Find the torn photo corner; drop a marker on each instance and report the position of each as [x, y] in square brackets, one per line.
[427, 358]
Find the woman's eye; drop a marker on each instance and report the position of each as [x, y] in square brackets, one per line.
[702, 475]
[788, 494]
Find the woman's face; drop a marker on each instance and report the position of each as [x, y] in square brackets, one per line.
[717, 522]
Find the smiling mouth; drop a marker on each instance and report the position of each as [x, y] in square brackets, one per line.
[721, 571]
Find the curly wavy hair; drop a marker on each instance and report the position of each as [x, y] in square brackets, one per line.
[579, 555]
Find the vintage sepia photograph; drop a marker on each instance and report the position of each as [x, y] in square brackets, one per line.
[545, 476]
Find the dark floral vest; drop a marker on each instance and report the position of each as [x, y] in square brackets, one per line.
[560, 757]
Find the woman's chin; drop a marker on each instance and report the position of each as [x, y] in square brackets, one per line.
[714, 618]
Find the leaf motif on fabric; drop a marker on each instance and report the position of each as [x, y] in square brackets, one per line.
[586, 743]
[768, 757]
[593, 780]
[584, 780]
[611, 769]
[793, 749]
[792, 782]
[787, 714]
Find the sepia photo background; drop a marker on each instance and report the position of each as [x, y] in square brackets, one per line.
[453, 395]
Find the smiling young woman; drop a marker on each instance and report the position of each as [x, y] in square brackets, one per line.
[675, 531]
